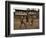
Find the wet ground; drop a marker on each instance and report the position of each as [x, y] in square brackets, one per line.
[26, 25]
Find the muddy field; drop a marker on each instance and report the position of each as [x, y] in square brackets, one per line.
[25, 25]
